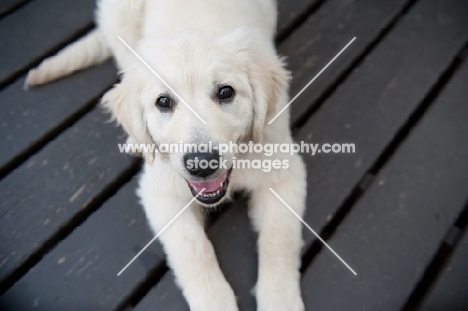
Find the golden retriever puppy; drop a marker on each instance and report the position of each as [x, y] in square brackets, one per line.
[218, 56]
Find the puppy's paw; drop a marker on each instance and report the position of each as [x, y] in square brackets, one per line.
[280, 303]
[279, 298]
[222, 298]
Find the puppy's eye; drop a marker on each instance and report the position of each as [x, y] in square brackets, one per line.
[225, 93]
[164, 102]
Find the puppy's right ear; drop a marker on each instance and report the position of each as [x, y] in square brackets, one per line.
[122, 101]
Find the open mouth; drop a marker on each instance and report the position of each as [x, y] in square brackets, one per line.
[215, 189]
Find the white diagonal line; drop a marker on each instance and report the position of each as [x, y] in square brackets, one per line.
[160, 232]
[312, 230]
[313, 79]
[162, 80]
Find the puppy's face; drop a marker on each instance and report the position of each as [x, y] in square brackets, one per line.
[230, 83]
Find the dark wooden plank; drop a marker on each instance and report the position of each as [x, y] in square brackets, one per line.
[368, 110]
[28, 118]
[377, 100]
[393, 232]
[39, 28]
[449, 291]
[63, 179]
[7, 6]
[81, 272]
[323, 35]
[290, 12]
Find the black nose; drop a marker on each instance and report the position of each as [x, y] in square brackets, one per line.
[201, 164]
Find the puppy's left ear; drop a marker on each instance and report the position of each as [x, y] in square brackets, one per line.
[122, 101]
[269, 80]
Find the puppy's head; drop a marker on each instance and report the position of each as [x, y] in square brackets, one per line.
[233, 82]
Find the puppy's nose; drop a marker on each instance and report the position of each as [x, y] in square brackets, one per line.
[201, 164]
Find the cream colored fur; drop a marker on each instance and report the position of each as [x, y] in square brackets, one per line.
[196, 45]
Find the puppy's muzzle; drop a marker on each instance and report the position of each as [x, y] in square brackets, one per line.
[205, 172]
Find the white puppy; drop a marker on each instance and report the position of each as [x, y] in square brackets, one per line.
[218, 55]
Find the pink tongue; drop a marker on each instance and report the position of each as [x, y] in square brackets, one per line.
[209, 185]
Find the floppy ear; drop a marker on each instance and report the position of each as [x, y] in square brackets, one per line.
[122, 101]
[269, 80]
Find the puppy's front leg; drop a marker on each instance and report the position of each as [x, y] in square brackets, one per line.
[280, 239]
[189, 252]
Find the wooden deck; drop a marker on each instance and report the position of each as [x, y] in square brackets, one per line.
[396, 210]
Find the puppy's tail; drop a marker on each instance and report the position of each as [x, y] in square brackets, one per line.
[89, 50]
